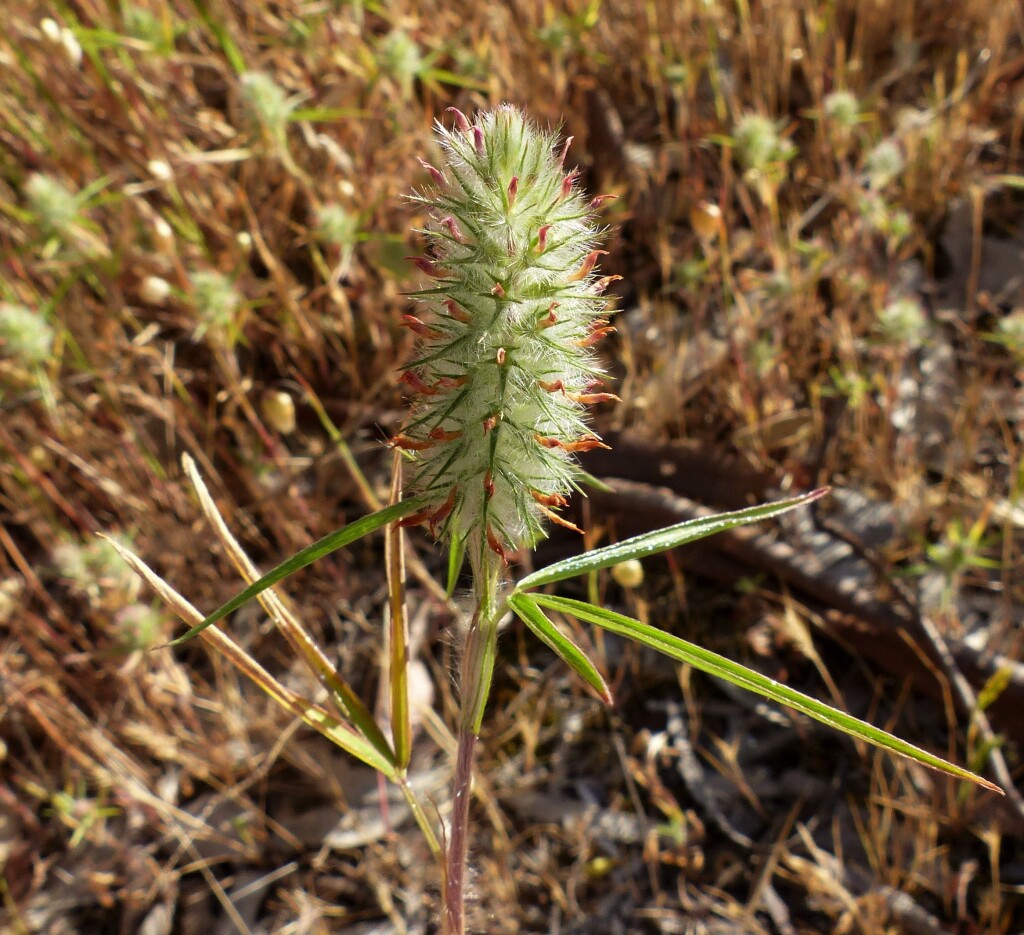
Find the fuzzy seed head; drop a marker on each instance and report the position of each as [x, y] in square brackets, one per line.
[24, 335]
[215, 300]
[842, 108]
[903, 323]
[55, 207]
[266, 102]
[1010, 333]
[883, 164]
[757, 142]
[501, 380]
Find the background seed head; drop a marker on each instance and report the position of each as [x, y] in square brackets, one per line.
[266, 102]
[758, 143]
[215, 299]
[843, 108]
[903, 323]
[24, 335]
[56, 208]
[883, 164]
[1010, 333]
[504, 366]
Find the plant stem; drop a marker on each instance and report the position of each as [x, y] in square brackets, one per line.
[458, 842]
[477, 670]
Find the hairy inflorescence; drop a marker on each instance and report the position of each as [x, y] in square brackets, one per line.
[505, 367]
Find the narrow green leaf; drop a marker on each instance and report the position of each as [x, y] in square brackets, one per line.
[312, 714]
[454, 78]
[398, 635]
[563, 647]
[346, 700]
[339, 733]
[740, 675]
[661, 540]
[349, 704]
[456, 556]
[590, 480]
[329, 543]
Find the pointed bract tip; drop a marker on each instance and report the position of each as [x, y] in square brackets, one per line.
[457, 313]
[414, 324]
[589, 262]
[496, 547]
[599, 332]
[454, 229]
[599, 286]
[410, 444]
[567, 186]
[555, 518]
[542, 238]
[435, 173]
[442, 512]
[424, 265]
[565, 150]
[461, 121]
[411, 379]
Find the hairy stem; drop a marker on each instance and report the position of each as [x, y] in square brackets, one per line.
[477, 669]
[458, 841]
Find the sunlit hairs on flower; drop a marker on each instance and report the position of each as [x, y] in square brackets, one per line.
[505, 366]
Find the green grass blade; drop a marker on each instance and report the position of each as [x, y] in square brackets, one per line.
[660, 540]
[230, 49]
[341, 446]
[329, 543]
[348, 703]
[752, 681]
[339, 733]
[563, 647]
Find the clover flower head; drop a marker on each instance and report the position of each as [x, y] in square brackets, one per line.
[843, 108]
[759, 144]
[903, 323]
[216, 301]
[505, 366]
[24, 334]
[883, 164]
[57, 209]
[266, 102]
[1010, 333]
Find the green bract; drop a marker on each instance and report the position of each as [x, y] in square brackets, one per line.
[504, 368]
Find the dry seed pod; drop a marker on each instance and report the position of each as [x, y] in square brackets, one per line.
[278, 409]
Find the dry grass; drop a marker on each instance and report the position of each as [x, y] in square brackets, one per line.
[199, 243]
